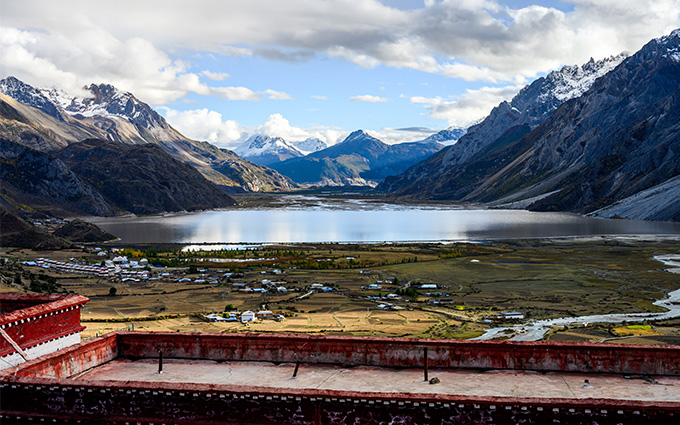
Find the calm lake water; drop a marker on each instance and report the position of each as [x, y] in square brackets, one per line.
[352, 221]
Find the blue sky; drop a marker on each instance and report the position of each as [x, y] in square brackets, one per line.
[224, 70]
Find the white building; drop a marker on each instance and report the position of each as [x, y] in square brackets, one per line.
[247, 316]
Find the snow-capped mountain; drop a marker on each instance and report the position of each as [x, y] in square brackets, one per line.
[266, 150]
[50, 119]
[532, 105]
[612, 150]
[28, 95]
[360, 159]
[526, 111]
[309, 145]
[448, 136]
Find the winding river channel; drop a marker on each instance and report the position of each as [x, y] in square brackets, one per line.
[536, 330]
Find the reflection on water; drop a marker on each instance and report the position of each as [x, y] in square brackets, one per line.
[285, 225]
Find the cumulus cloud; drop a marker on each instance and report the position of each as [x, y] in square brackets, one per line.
[368, 98]
[472, 106]
[215, 76]
[208, 125]
[44, 58]
[277, 95]
[235, 93]
[472, 39]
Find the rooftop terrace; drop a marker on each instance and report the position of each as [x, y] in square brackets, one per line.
[247, 378]
[371, 379]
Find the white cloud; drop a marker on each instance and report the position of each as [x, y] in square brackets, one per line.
[235, 93]
[215, 76]
[320, 97]
[203, 124]
[136, 65]
[278, 126]
[468, 108]
[368, 98]
[472, 39]
[277, 95]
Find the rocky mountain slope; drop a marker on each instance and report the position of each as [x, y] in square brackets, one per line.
[30, 178]
[148, 180]
[529, 108]
[49, 119]
[98, 177]
[17, 232]
[358, 160]
[617, 142]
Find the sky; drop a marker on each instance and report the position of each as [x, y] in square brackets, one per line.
[400, 69]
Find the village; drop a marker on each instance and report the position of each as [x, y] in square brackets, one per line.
[118, 269]
[445, 292]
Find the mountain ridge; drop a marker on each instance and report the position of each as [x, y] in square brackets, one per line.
[111, 114]
[618, 139]
[359, 160]
[527, 109]
[266, 150]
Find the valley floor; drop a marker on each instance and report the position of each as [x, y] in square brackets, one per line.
[367, 290]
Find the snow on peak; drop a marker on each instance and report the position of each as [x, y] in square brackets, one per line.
[672, 43]
[58, 96]
[260, 144]
[309, 145]
[105, 100]
[572, 81]
[358, 135]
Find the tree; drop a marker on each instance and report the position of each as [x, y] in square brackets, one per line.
[112, 291]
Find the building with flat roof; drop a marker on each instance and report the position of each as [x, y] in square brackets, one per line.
[260, 379]
[301, 379]
[32, 325]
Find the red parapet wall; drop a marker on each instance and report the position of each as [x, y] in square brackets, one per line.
[32, 319]
[41, 389]
[70, 361]
[404, 352]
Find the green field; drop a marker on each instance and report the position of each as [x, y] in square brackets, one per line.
[474, 282]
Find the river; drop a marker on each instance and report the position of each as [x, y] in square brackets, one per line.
[535, 331]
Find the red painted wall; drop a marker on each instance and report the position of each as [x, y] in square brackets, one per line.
[46, 317]
[69, 361]
[39, 388]
[402, 352]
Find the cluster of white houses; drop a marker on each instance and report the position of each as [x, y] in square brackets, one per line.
[119, 266]
[244, 317]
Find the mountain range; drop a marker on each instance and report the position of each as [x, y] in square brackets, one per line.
[50, 119]
[582, 139]
[601, 139]
[360, 159]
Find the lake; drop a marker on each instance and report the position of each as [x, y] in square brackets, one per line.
[356, 221]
